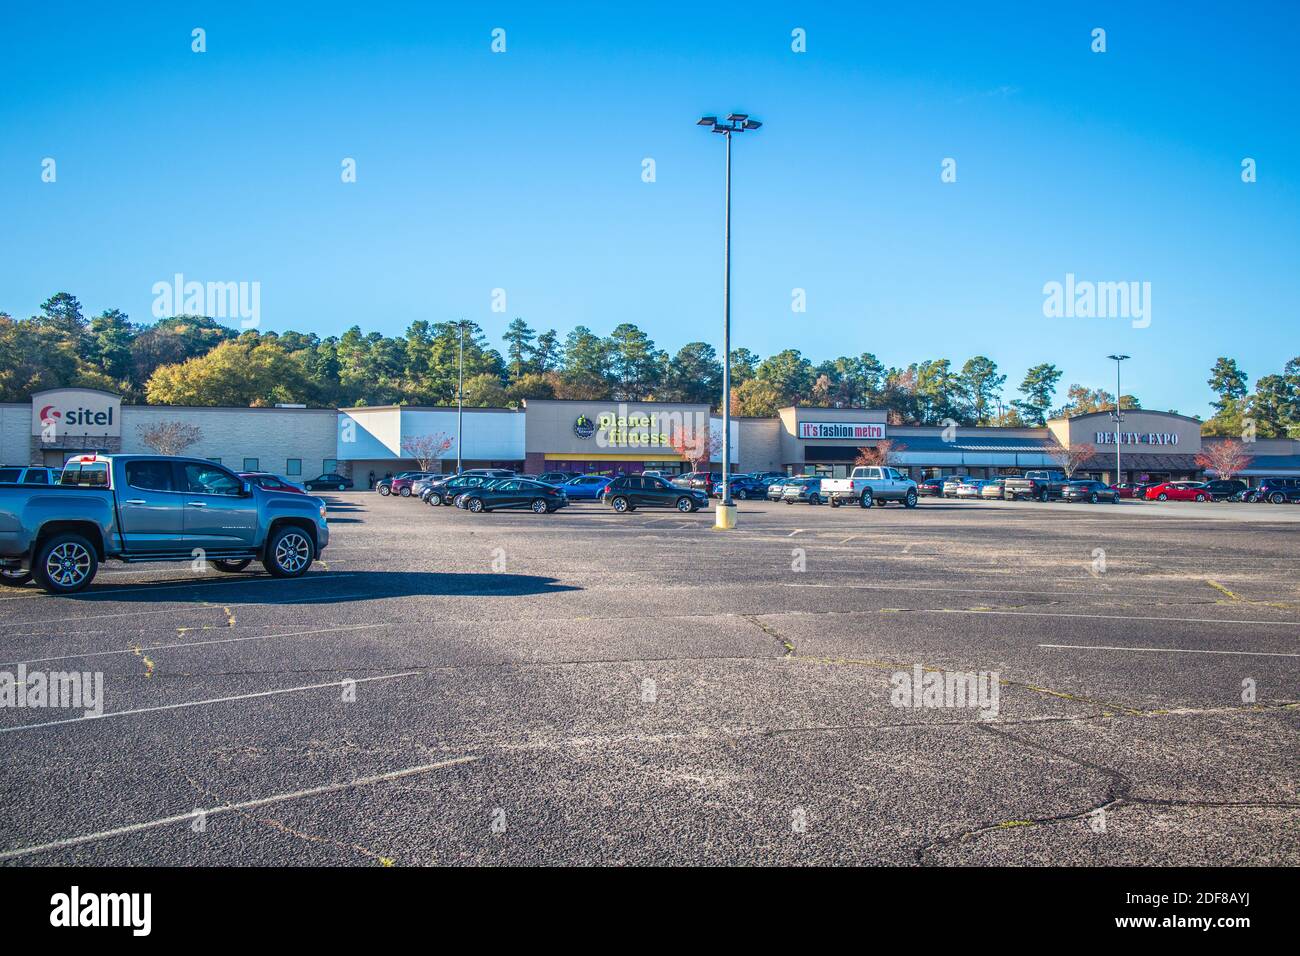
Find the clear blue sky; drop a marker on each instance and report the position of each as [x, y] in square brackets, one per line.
[523, 171]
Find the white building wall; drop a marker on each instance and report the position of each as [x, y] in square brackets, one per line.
[271, 435]
[15, 434]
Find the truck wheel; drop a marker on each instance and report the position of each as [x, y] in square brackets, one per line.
[1042, 496]
[866, 500]
[14, 578]
[910, 500]
[65, 564]
[289, 553]
[231, 567]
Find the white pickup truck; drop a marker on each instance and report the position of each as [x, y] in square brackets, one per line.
[868, 485]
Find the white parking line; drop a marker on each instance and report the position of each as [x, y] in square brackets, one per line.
[1164, 650]
[233, 808]
[1100, 617]
[200, 703]
[170, 647]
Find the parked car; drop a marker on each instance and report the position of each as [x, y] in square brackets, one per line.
[950, 484]
[992, 489]
[629, 492]
[264, 479]
[328, 481]
[385, 485]
[537, 496]
[401, 485]
[971, 488]
[1278, 490]
[1178, 491]
[803, 489]
[556, 477]
[743, 487]
[152, 508]
[446, 491]
[29, 475]
[776, 489]
[1225, 489]
[704, 481]
[1086, 489]
[587, 487]
[1128, 489]
[868, 485]
[1039, 485]
[930, 488]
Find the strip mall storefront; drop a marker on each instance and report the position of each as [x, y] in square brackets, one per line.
[616, 438]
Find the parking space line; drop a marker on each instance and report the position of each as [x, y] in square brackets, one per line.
[233, 808]
[200, 703]
[172, 647]
[1165, 650]
[944, 589]
[1090, 617]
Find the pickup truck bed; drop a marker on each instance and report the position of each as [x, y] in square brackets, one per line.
[152, 508]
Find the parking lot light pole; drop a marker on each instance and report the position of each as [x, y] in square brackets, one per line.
[460, 392]
[734, 123]
[1118, 416]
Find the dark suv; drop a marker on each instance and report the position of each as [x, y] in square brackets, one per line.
[1222, 489]
[629, 492]
[1278, 491]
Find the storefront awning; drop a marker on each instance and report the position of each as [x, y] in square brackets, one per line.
[1139, 462]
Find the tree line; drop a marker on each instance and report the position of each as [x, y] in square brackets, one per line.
[195, 360]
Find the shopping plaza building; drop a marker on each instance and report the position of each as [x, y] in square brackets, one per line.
[608, 437]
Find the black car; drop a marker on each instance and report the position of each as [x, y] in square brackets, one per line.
[558, 477]
[326, 482]
[1090, 491]
[447, 491]
[743, 487]
[536, 496]
[1278, 491]
[1222, 489]
[629, 492]
[930, 488]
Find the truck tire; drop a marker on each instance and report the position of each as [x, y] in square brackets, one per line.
[1042, 496]
[65, 564]
[866, 500]
[911, 499]
[289, 553]
[231, 566]
[14, 579]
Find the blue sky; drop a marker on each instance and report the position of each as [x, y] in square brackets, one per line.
[522, 171]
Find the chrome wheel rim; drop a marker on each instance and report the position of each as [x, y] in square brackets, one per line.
[683, 505]
[539, 506]
[292, 552]
[68, 564]
[620, 504]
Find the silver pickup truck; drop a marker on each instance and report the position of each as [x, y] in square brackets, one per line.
[152, 508]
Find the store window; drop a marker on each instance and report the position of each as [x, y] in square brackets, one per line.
[293, 467]
[250, 464]
[329, 466]
[215, 461]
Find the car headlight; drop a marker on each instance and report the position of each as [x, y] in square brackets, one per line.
[322, 511]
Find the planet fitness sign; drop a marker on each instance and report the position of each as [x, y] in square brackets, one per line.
[75, 412]
[855, 431]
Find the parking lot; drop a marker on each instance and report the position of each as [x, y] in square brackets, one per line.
[583, 687]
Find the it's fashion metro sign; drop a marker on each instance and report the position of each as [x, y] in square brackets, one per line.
[854, 431]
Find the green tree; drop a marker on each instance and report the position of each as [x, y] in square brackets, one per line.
[981, 386]
[586, 372]
[519, 347]
[546, 353]
[1227, 380]
[1039, 389]
[485, 391]
[237, 373]
[634, 363]
[744, 364]
[694, 374]
[788, 373]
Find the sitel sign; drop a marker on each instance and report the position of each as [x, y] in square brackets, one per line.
[76, 412]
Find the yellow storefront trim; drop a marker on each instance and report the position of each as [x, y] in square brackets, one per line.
[581, 456]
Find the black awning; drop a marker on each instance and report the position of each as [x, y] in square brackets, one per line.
[818, 454]
[1140, 462]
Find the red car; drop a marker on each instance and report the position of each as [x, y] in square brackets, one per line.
[1178, 491]
[1130, 490]
[264, 479]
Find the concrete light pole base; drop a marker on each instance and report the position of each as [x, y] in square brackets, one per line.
[724, 519]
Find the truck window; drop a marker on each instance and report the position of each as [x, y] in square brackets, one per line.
[36, 476]
[10, 474]
[203, 479]
[150, 475]
[92, 473]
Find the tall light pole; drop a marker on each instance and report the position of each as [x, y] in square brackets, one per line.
[734, 123]
[460, 393]
[1118, 416]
